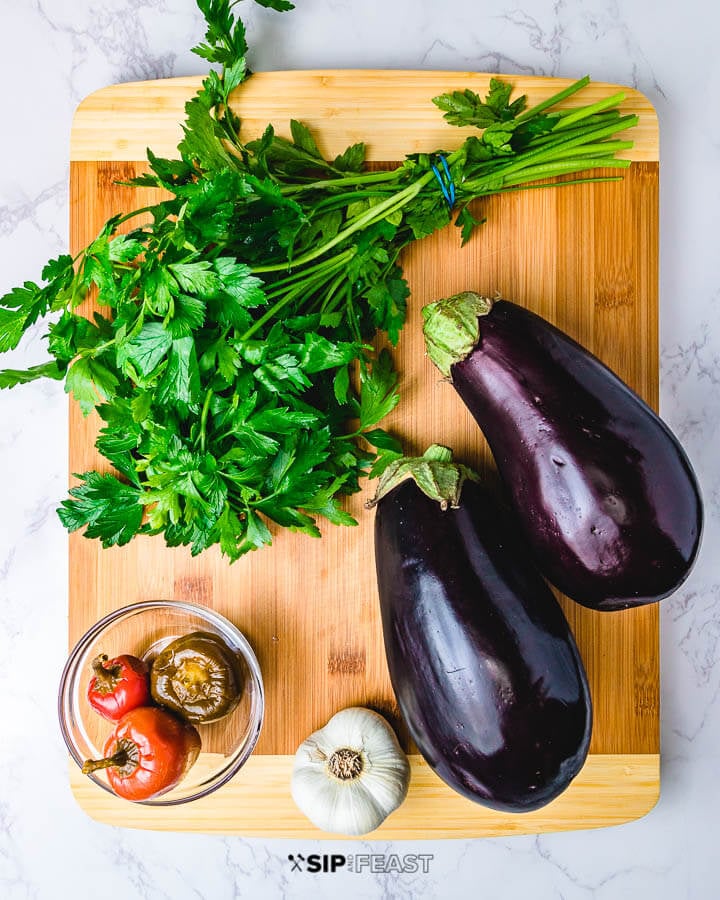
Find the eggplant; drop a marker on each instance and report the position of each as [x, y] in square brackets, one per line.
[601, 487]
[482, 661]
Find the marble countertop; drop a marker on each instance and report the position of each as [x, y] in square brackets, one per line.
[55, 52]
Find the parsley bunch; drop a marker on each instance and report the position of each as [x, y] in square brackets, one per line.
[230, 359]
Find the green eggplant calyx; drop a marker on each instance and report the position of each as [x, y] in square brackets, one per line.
[451, 328]
[434, 473]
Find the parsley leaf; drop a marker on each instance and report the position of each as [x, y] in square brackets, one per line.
[23, 306]
[280, 5]
[109, 509]
[225, 35]
[239, 284]
[146, 350]
[388, 301]
[378, 391]
[202, 144]
[352, 159]
[180, 383]
[89, 381]
[467, 223]
[196, 277]
[467, 108]
[11, 377]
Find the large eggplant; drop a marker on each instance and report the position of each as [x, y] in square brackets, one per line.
[603, 490]
[484, 667]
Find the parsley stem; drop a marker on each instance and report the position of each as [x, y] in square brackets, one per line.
[550, 169]
[594, 155]
[342, 200]
[338, 260]
[204, 417]
[487, 187]
[554, 100]
[347, 181]
[133, 214]
[547, 153]
[304, 286]
[374, 214]
[326, 305]
[599, 148]
[521, 185]
[352, 317]
[101, 348]
[606, 118]
[584, 112]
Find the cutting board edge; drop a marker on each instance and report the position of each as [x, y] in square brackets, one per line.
[611, 789]
[90, 138]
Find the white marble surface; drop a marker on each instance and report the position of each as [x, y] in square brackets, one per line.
[54, 52]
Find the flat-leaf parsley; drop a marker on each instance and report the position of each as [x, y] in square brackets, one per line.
[230, 357]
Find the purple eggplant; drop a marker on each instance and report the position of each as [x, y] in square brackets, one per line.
[484, 667]
[601, 487]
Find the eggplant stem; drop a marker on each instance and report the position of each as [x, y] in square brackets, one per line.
[434, 473]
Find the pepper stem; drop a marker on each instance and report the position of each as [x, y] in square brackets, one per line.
[117, 760]
[106, 678]
[434, 473]
[345, 764]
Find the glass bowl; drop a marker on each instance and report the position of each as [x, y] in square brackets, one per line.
[144, 630]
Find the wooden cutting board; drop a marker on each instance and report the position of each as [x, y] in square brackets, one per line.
[586, 257]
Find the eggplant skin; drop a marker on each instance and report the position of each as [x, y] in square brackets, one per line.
[604, 492]
[484, 667]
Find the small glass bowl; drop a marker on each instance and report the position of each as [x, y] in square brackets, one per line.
[144, 630]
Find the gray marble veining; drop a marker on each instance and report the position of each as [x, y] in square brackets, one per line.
[57, 51]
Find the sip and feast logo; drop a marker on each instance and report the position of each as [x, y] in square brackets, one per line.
[374, 863]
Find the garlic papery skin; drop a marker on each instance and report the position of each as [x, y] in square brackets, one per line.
[350, 775]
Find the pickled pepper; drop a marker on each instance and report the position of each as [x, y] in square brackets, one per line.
[149, 753]
[118, 685]
[197, 676]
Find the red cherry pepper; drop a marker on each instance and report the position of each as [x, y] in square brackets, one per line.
[148, 753]
[119, 685]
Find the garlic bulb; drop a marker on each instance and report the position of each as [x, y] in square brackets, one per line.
[350, 775]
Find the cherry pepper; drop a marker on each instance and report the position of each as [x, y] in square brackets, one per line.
[148, 753]
[118, 685]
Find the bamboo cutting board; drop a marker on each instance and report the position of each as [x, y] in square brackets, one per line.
[583, 256]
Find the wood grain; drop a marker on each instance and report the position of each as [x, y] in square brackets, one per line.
[583, 256]
[392, 107]
[609, 790]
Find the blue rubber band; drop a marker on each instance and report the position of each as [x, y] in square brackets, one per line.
[451, 183]
[440, 181]
[445, 180]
